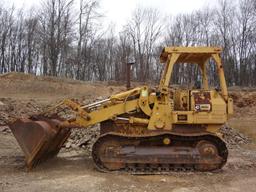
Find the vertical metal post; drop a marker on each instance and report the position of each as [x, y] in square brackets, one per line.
[220, 69]
[166, 76]
[128, 74]
[202, 66]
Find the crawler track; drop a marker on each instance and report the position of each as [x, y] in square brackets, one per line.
[159, 154]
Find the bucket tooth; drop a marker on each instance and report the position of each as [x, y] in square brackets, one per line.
[39, 140]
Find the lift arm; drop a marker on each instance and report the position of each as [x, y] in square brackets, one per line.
[111, 108]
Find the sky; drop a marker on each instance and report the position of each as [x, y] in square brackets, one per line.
[119, 11]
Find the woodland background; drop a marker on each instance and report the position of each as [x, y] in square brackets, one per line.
[66, 38]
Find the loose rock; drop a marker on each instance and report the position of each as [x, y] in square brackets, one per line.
[233, 137]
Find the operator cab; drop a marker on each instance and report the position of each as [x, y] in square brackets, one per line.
[196, 103]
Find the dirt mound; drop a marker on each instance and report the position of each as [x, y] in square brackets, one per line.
[11, 109]
[19, 85]
[18, 76]
[22, 94]
[244, 98]
[31, 77]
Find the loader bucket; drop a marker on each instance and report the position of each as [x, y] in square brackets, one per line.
[39, 139]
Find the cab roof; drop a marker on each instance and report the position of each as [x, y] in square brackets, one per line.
[190, 54]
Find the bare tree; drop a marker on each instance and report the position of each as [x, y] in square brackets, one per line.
[31, 24]
[87, 15]
[54, 21]
[247, 20]
[57, 40]
[144, 29]
[6, 25]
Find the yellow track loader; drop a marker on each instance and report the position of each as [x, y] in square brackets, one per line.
[143, 130]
